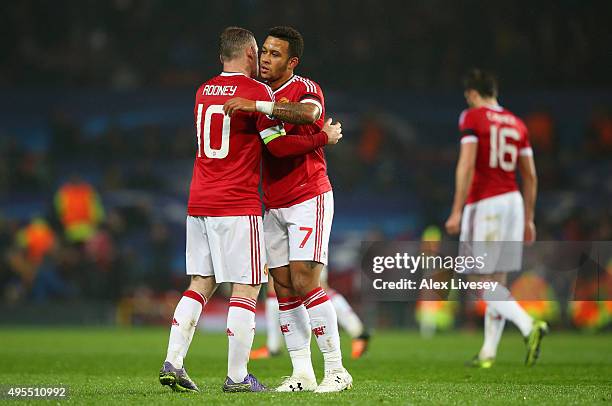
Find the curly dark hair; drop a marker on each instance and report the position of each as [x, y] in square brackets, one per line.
[292, 36]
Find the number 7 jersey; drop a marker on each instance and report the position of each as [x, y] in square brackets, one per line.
[226, 171]
[502, 138]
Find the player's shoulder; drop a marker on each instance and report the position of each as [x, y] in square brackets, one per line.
[309, 85]
[516, 118]
[469, 115]
[260, 88]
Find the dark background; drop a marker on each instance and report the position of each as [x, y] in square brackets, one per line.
[104, 90]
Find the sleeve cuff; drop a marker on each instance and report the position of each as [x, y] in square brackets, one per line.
[467, 139]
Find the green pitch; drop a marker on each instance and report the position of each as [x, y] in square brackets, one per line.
[107, 366]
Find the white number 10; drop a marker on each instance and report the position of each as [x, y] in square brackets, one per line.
[225, 132]
[501, 149]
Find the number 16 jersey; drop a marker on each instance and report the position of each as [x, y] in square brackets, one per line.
[227, 167]
[502, 138]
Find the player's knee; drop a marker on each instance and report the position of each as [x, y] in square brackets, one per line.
[248, 291]
[305, 276]
[282, 277]
[284, 291]
[201, 284]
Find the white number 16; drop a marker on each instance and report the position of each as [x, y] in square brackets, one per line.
[501, 149]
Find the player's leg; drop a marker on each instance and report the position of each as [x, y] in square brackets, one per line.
[512, 259]
[240, 334]
[238, 256]
[482, 222]
[493, 328]
[502, 302]
[309, 231]
[293, 317]
[274, 337]
[295, 327]
[347, 319]
[189, 308]
[509, 212]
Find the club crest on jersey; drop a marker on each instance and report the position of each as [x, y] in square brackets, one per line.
[284, 328]
[318, 331]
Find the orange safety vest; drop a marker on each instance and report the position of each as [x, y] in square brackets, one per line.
[79, 210]
[38, 238]
[76, 204]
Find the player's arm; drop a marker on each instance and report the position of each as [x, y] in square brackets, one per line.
[464, 173]
[290, 112]
[529, 180]
[281, 145]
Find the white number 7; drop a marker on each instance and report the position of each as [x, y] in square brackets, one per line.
[225, 132]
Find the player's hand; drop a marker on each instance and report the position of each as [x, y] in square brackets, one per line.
[453, 224]
[333, 131]
[530, 232]
[238, 104]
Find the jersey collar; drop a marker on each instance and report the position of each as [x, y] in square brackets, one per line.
[284, 85]
[494, 107]
[232, 74]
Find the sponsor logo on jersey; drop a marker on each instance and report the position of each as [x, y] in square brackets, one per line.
[229, 333]
[174, 322]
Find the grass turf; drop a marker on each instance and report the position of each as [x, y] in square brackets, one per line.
[120, 366]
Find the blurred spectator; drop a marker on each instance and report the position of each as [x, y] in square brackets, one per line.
[49, 283]
[370, 140]
[37, 238]
[598, 140]
[541, 131]
[94, 44]
[79, 209]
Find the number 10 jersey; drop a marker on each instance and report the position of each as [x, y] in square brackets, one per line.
[227, 168]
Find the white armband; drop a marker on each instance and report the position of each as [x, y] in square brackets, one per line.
[264, 107]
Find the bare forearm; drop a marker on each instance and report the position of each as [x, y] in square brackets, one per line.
[529, 187]
[463, 180]
[530, 190]
[296, 113]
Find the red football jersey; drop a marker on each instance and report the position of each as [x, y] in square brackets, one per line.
[501, 138]
[226, 172]
[289, 181]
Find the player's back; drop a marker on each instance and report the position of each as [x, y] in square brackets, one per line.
[288, 181]
[502, 137]
[226, 171]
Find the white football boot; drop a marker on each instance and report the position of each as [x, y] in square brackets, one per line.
[298, 383]
[335, 381]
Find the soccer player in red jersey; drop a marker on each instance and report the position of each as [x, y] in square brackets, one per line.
[299, 211]
[488, 207]
[224, 226]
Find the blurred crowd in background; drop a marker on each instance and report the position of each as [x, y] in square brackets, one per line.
[92, 205]
[423, 44]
